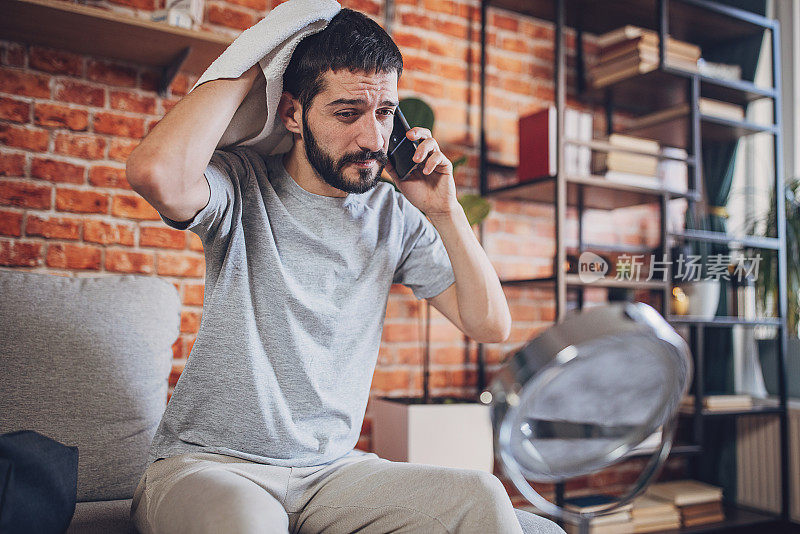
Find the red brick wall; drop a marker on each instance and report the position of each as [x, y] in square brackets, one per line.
[68, 123]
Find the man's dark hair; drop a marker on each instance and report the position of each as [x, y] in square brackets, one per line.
[352, 41]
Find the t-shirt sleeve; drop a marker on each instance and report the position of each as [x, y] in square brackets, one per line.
[424, 264]
[220, 174]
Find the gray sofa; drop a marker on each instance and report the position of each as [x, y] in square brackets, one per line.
[86, 361]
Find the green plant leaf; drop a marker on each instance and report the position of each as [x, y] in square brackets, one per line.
[417, 113]
[768, 269]
[457, 163]
[475, 207]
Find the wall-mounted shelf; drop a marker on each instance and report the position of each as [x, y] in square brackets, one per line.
[733, 241]
[575, 280]
[668, 86]
[675, 131]
[597, 192]
[724, 321]
[100, 32]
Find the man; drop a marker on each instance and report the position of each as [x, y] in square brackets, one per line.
[301, 250]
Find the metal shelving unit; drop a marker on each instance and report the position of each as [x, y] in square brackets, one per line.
[702, 22]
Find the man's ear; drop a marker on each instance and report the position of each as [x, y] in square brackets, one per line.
[290, 112]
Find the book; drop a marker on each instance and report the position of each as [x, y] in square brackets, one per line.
[640, 68]
[594, 502]
[611, 519]
[720, 402]
[701, 510]
[629, 31]
[645, 55]
[571, 118]
[619, 64]
[667, 524]
[648, 43]
[718, 108]
[685, 492]
[674, 174]
[537, 145]
[650, 443]
[636, 143]
[626, 162]
[605, 75]
[703, 521]
[614, 528]
[584, 152]
[659, 116]
[646, 507]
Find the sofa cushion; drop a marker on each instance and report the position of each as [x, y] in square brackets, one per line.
[86, 361]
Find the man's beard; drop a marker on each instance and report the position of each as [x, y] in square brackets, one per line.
[333, 172]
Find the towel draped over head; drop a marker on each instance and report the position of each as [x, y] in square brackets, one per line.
[270, 43]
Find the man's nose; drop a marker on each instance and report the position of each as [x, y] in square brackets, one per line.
[370, 134]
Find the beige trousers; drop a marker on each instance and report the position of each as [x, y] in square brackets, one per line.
[360, 492]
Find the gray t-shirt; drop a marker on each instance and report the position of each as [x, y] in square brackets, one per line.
[295, 298]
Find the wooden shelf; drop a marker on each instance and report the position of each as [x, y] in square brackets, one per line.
[676, 450]
[695, 21]
[575, 281]
[733, 241]
[604, 146]
[598, 192]
[675, 131]
[723, 321]
[735, 517]
[762, 407]
[100, 32]
[669, 86]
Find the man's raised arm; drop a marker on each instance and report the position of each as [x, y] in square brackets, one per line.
[167, 167]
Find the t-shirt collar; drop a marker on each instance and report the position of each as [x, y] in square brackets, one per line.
[283, 180]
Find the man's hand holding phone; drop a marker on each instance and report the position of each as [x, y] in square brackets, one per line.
[429, 185]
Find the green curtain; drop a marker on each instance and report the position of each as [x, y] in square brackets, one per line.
[718, 463]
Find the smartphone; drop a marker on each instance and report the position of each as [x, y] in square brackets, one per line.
[401, 148]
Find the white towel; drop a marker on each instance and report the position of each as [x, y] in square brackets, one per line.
[270, 43]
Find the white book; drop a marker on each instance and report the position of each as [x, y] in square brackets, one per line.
[570, 132]
[674, 174]
[584, 152]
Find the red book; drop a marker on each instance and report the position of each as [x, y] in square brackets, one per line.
[537, 145]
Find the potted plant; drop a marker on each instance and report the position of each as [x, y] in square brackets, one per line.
[767, 288]
[448, 431]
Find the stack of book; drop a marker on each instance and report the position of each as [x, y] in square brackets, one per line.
[698, 503]
[651, 515]
[718, 403]
[632, 50]
[627, 167]
[617, 522]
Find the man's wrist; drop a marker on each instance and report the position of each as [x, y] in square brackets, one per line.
[450, 214]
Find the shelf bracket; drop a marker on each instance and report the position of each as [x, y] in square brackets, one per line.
[171, 70]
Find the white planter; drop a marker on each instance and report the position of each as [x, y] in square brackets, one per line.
[703, 296]
[451, 435]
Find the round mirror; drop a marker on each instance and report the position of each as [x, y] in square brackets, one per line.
[584, 393]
